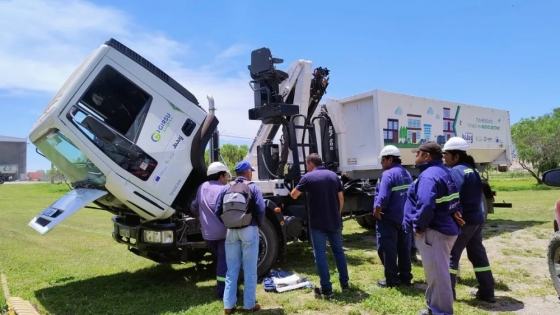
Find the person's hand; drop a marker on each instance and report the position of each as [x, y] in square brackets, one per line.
[377, 213]
[417, 234]
[458, 217]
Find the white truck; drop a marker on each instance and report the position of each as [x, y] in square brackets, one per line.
[131, 140]
[8, 172]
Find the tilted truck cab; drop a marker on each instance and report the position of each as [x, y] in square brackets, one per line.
[130, 139]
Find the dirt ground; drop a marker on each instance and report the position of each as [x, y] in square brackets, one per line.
[514, 252]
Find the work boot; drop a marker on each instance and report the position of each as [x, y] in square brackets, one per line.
[229, 310]
[489, 299]
[383, 284]
[323, 294]
[255, 308]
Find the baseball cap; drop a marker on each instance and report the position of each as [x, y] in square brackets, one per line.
[429, 147]
[242, 167]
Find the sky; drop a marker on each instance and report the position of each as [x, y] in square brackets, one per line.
[499, 54]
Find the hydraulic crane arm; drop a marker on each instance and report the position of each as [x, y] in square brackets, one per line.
[281, 97]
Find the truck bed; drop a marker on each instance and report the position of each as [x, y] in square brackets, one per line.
[366, 122]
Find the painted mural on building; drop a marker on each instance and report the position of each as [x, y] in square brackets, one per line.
[412, 129]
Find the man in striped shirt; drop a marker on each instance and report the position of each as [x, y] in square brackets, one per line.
[393, 243]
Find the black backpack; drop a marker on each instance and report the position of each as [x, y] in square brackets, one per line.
[237, 204]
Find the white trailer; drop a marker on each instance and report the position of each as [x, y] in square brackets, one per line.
[366, 122]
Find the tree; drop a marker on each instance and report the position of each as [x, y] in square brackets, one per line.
[56, 175]
[537, 143]
[231, 153]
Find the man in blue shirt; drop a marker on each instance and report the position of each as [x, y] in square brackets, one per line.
[432, 202]
[242, 245]
[392, 239]
[325, 200]
[213, 231]
[463, 169]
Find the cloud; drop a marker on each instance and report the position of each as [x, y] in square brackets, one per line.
[234, 51]
[44, 41]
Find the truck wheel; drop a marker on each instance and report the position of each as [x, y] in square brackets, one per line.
[554, 261]
[1, 180]
[268, 248]
[370, 219]
[362, 222]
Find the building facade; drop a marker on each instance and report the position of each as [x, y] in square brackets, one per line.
[13, 151]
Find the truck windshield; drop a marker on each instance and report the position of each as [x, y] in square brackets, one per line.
[67, 158]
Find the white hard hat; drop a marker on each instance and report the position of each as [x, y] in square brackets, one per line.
[390, 150]
[216, 167]
[456, 143]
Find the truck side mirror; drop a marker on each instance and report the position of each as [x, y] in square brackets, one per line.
[98, 129]
[552, 177]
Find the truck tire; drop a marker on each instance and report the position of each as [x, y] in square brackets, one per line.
[553, 259]
[1, 180]
[268, 248]
[362, 222]
[370, 219]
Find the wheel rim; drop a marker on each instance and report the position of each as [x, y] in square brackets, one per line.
[263, 247]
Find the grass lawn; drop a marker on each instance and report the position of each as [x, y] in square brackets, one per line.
[79, 269]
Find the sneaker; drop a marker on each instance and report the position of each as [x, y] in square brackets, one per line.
[425, 312]
[255, 308]
[323, 294]
[345, 287]
[488, 299]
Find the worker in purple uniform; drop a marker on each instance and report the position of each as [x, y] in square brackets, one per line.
[431, 206]
[213, 231]
[325, 200]
[469, 183]
[393, 243]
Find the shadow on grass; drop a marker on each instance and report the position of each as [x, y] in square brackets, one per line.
[361, 241]
[472, 282]
[272, 311]
[503, 304]
[352, 296]
[497, 227]
[154, 290]
[300, 259]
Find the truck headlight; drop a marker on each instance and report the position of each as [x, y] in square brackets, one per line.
[161, 237]
[167, 237]
[150, 236]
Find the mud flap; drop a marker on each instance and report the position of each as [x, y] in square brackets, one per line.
[63, 208]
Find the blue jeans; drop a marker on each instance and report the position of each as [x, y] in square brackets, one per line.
[242, 249]
[319, 239]
[393, 248]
